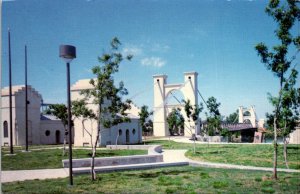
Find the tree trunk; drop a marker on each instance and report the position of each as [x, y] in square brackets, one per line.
[275, 150]
[285, 142]
[93, 157]
[65, 142]
[117, 140]
[195, 144]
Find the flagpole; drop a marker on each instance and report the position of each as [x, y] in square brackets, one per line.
[26, 101]
[10, 96]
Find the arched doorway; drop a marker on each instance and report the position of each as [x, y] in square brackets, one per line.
[127, 137]
[57, 137]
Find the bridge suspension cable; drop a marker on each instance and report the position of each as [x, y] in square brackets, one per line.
[202, 97]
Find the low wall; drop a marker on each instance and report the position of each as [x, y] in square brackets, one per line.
[152, 157]
[114, 161]
[152, 149]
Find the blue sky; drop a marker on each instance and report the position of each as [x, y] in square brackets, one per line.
[216, 38]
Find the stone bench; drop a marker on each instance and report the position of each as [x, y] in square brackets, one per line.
[154, 157]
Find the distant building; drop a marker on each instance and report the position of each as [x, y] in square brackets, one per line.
[42, 129]
[124, 133]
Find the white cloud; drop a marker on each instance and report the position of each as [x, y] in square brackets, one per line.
[160, 47]
[153, 61]
[132, 50]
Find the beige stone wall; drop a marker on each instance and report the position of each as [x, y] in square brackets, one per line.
[18, 115]
[295, 136]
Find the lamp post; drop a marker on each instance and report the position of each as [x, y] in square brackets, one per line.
[68, 53]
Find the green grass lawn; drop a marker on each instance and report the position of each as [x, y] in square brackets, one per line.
[51, 158]
[242, 154]
[166, 144]
[166, 180]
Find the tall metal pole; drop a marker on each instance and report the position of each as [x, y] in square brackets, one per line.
[26, 101]
[69, 125]
[10, 96]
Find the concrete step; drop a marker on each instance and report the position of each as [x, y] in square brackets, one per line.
[87, 170]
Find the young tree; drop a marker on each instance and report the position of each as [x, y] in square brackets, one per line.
[278, 61]
[175, 121]
[60, 111]
[192, 114]
[214, 116]
[287, 119]
[144, 115]
[106, 96]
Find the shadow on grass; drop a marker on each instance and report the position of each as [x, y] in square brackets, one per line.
[211, 152]
[164, 172]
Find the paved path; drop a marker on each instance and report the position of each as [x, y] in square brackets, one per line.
[21, 175]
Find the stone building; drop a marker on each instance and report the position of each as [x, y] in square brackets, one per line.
[42, 129]
[124, 133]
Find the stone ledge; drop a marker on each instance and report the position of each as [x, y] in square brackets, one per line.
[114, 161]
[153, 156]
[152, 149]
[129, 167]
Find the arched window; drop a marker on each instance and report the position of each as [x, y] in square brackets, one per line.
[133, 131]
[47, 132]
[5, 129]
[120, 132]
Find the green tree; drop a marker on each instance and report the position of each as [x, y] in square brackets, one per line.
[213, 116]
[175, 121]
[111, 109]
[233, 117]
[278, 61]
[144, 118]
[192, 113]
[60, 111]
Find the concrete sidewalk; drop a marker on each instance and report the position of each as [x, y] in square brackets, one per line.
[21, 175]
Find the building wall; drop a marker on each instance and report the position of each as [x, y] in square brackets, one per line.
[51, 132]
[295, 136]
[33, 117]
[111, 136]
[18, 115]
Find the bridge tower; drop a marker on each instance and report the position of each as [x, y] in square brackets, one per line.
[248, 115]
[162, 90]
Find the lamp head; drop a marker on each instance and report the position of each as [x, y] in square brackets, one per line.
[67, 52]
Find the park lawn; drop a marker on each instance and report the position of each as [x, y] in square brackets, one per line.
[52, 158]
[260, 155]
[250, 155]
[170, 144]
[166, 180]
